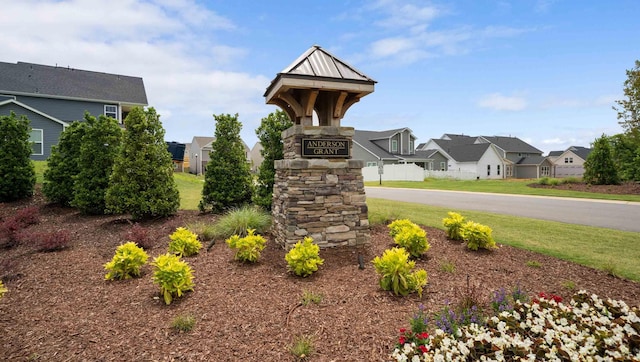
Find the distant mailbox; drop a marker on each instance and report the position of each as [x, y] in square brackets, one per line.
[326, 148]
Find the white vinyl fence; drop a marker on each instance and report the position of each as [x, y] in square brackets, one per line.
[411, 172]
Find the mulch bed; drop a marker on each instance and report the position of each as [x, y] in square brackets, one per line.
[60, 308]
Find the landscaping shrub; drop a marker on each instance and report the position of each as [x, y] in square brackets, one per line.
[478, 236]
[52, 241]
[184, 243]
[453, 225]
[18, 174]
[397, 225]
[98, 151]
[227, 180]
[150, 191]
[394, 269]
[139, 235]
[172, 275]
[411, 237]
[303, 259]
[247, 248]
[11, 228]
[126, 263]
[3, 289]
[62, 165]
[237, 221]
[183, 323]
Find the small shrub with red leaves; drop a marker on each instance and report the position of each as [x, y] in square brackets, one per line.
[11, 227]
[140, 235]
[53, 241]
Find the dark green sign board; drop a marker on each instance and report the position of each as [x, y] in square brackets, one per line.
[326, 148]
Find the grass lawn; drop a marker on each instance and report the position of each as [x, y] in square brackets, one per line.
[517, 187]
[610, 250]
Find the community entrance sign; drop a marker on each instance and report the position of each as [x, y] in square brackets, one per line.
[319, 189]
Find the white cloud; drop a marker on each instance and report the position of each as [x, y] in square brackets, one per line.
[499, 102]
[171, 44]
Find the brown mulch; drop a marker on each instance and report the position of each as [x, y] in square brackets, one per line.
[60, 308]
[626, 188]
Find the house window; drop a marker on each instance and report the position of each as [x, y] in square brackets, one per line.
[544, 170]
[430, 165]
[374, 163]
[568, 160]
[411, 150]
[488, 170]
[509, 170]
[394, 146]
[111, 111]
[36, 141]
[443, 166]
[498, 170]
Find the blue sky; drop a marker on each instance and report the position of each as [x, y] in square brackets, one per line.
[547, 71]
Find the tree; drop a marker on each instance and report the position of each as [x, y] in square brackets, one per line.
[98, 151]
[270, 135]
[17, 172]
[626, 154]
[629, 113]
[599, 168]
[62, 165]
[227, 180]
[142, 181]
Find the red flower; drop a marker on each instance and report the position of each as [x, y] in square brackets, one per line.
[401, 340]
[423, 349]
[402, 330]
[424, 335]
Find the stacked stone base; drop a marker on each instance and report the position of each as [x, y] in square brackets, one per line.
[320, 198]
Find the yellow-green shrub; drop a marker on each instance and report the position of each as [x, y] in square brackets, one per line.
[248, 248]
[411, 237]
[453, 224]
[173, 275]
[304, 258]
[394, 268]
[127, 262]
[3, 289]
[397, 225]
[184, 242]
[477, 236]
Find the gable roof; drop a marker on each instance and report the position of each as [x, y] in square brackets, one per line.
[58, 82]
[531, 160]
[177, 150]
[19, 104]
[363, 138]
[468, 153]
[318, 62]
[582, 152]
[510, 144]
[555, 153]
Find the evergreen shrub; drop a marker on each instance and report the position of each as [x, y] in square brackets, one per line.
[126, 263]
[303, 259]
[173, 276]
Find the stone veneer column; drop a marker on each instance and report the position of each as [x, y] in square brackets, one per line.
[318, 197]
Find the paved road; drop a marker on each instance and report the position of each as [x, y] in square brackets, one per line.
[621, 215]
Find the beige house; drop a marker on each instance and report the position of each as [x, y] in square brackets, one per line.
[568, 163]
[256, 156]
[199, 154]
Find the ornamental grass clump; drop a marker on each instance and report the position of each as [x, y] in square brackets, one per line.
[3, 289]
[248, 248]
[453, 225]
[409, 236]
[303, 259]
[184, 243]
[172, 275]
[395, 270]
[478, 236]
[127, 262]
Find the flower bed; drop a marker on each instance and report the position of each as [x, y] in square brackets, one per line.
[585, 329]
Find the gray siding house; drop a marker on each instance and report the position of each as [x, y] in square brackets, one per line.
[51, 97]
[391, 147]
[199, 154]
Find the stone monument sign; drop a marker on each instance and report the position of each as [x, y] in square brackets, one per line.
[319, 189]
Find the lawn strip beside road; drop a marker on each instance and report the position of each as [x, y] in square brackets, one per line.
[605, 249]
[514, 187]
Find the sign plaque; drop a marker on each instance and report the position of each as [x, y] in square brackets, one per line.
[326, 148]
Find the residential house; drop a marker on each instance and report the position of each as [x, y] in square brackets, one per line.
[256, 156]
[391, 147]
[491, 156]
[463, 156]
[52, 97]
[177, 155]
[570, 162]
[199, 154]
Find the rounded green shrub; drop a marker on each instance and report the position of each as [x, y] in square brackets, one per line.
[395, 270]
[478, 236]
[303, 259]
[173, 275]
[410, 236]
[184, 243]
[247, 248]
[127, 262]
[453, 225]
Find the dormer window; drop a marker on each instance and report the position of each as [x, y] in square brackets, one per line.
[111, 110]
[394, 146]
